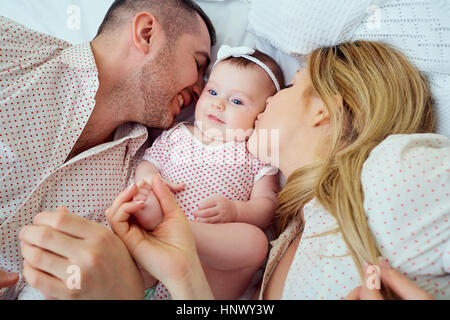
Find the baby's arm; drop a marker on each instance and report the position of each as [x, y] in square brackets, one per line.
[257, 211]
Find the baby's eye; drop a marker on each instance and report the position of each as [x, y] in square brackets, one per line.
[212, 92]
[237, 102]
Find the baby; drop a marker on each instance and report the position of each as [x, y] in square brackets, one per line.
[228, 195]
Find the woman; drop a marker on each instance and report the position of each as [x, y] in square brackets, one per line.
[346, 127]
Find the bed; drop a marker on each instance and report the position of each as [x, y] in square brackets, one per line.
[287, 30]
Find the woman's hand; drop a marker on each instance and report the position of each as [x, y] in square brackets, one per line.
[397, 282]
[168, 252]
[8, 279]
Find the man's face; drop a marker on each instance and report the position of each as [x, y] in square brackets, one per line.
[174, 78]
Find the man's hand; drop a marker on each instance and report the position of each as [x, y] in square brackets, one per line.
[403, 287]
[59, 240]
[217, 209]
[8, 279]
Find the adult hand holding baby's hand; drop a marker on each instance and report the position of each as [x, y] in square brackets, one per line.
[217, 209]
[151, 214]
[168, 253]
[145, 187]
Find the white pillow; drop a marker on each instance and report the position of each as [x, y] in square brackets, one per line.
[300, 26]
[420, 29]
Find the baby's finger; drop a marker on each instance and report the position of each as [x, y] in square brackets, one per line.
[214, 219]
[175, 187]
[142, 184]
[139, 197]
[206, 213]
[208, 203]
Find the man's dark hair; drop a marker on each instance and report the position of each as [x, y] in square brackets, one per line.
[175, 16]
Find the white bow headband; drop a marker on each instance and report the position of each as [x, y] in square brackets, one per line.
[244, 52]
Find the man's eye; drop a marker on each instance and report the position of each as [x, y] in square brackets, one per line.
[212, 92]
[288, 86]
[237, 102]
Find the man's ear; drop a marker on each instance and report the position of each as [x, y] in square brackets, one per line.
[321, 113]
[146, 29]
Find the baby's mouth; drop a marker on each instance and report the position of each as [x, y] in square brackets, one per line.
[215, 119]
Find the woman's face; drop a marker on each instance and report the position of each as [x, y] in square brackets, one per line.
[287, 133]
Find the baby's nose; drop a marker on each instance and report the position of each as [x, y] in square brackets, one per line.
[220, 105]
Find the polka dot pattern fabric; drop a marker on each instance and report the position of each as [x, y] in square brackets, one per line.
[229, 170]
[47, 91]
[407, 202]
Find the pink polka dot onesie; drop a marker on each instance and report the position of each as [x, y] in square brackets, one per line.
[228, 169]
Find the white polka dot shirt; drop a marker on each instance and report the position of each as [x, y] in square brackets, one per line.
[406, 183]
[47, 91]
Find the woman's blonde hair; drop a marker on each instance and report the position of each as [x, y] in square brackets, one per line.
[383, 94]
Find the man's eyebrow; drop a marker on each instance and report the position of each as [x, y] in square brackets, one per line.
[205, 55]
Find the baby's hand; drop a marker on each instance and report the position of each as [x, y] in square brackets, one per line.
[217, 209]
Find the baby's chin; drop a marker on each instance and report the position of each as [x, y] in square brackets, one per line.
[223, 133]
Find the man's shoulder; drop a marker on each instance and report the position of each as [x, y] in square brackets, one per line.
[23, 50]
[19, 34]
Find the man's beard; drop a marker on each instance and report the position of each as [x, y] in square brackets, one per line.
[157, 90]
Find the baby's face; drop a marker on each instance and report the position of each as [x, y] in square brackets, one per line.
[232, 99]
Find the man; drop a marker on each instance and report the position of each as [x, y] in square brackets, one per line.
[73, 126]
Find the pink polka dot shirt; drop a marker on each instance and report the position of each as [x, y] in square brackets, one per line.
[406, 183]
[47, 91]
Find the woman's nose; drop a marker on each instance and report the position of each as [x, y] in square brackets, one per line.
[268, 100]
